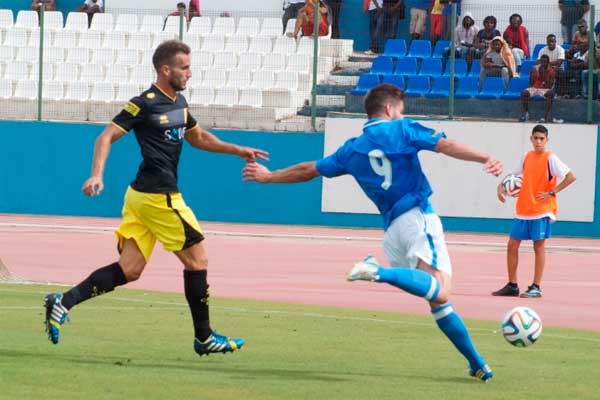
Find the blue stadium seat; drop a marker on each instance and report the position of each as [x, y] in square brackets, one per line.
[406, 66]
[417, 86]
[395, 48]
[536, 50]
[527, 66]
[420, 49]
[566, 46]
[466, 87]
[440, 48]
[431, 66]
[492, 88]
[396, 80]
[365, 82]
[382, 65]
[475, 68]
[514, 89]
[460, 68]
[440, 87]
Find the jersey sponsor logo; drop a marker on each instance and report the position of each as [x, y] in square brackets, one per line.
[150, 95]
[175, 134]
[131, 108]
[163, 119]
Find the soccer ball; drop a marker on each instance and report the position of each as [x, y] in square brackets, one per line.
[521, 326]
[512, 184]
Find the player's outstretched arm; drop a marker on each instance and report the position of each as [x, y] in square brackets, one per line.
[302, 172]
[465, 152]
[203, 139]
[94, 184]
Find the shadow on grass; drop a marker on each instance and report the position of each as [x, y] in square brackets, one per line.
[239, 372]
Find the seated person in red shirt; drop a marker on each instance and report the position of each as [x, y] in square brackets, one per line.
[305, 19]
[541, 81]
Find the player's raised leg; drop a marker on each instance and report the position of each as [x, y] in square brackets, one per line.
[206, 340]
[103, 280]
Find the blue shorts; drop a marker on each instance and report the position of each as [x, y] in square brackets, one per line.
[531, 229]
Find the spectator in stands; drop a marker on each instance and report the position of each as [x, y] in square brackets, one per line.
[180, 6]
[597, 30]
[556, 55]
[571, 80]
[50, 5]
[291, 11]
[447, 23]
[466, 31]
[497, 61]
[581, 37]
[194, 9]
[595, 72]
[437, 22]
[335, 7]
[91, 7]
[571, 11]
[541, 81]
[418, 17]
[485, 36]
[517, 36]
[375, 12]
[305, 19]
[393, 11]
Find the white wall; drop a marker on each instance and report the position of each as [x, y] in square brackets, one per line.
[460, 188]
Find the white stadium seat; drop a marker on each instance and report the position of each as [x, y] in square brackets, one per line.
[306, 46]
[127, 23]
[251, 97]
[102, 22]
[284, 45]
[127, 90]
[75, 105]
[271, 27]
[172, 24]
[17, 70]
[91, 39]
[226, 96]
[251, 61]
[47, 73]
[53, 20]
[213, 43]
[6, 19]
[66, 39]
[202, 60]
[117, 73]
[27, 19]
[140, 40]
[202, 95]
[53, 90]
[200, 25]
[129, 57]
[54, 55]
[236, 44]
[7, 54]
[78, 55]
[28, 54]
[104, 56]
[263, 79]
[142, 75]
[16, 37]
[214, 78]
[6, 89]
[224, 26]
[286, 80]
[260, 44]
[101, 107]
[114, 40]
[151, 23]
[160, 37]
[66, 72]
[274, 62]
[239, 78]
[77, 21]
[91, 73]
[193, 40]
[225, 61]
[298, 63]
[248, 26]
[34, 38]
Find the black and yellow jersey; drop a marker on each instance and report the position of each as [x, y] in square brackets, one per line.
[159, 122]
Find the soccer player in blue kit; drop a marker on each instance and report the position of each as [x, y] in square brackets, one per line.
[384, 162]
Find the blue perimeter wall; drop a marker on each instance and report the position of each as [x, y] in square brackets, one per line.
[43, 166]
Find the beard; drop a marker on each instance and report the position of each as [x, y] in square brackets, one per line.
[177, 84]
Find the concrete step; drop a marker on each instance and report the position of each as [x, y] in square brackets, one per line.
[334, 90]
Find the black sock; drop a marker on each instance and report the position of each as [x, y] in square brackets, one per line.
[196, 294]
[102, 280]
[533, 285]
[512, 284]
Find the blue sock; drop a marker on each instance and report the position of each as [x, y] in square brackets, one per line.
[455, 329]
[413, 281]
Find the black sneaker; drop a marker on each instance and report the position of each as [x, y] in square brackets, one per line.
[508, 290]
[532, 291]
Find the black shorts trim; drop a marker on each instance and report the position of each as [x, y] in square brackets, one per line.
[192, 236]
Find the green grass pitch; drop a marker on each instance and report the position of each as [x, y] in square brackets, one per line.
[134, 344]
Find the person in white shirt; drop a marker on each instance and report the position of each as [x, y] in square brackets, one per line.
[91, 7]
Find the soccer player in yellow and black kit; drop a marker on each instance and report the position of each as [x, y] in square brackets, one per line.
[154, 208]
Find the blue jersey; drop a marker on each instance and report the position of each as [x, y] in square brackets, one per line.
[384, 162]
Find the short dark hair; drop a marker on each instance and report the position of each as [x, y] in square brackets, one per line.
[552, 35]
[545, 56]
[540, 129]
[379, 96]
[490, 18]
[166, 51]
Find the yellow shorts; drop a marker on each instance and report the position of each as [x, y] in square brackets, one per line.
[163, 216]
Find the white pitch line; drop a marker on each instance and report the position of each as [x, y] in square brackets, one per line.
[242, 310]
[111, 229]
